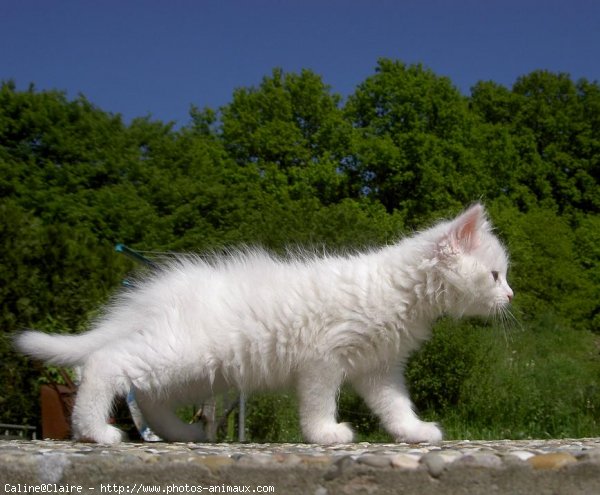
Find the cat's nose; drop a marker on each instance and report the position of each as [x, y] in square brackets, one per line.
[509, 293]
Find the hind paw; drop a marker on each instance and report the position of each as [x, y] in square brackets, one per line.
[106, 435]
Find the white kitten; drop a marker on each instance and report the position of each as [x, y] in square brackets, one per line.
[254, 321]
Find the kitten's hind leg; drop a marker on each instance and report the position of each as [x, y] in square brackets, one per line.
[163, 421]
[318, 387]
[386, 394]
[101, 382]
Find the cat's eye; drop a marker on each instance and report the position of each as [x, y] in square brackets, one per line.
[495, 275]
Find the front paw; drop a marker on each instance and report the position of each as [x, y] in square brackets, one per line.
[330, 434]
[421, 432]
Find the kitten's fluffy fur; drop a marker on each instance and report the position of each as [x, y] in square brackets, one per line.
[254, 321]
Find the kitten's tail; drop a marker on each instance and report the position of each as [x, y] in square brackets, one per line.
[61, 350]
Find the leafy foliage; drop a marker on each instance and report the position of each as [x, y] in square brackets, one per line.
[288, 162]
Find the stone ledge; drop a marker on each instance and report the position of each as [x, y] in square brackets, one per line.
[462, 467]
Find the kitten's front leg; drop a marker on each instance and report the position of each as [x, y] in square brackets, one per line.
[385, 393]
[318, 388]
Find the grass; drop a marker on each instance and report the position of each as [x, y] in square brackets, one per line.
[540, 383]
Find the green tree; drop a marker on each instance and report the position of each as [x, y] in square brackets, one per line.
[410, 149]
[291, 130]
[552, 123]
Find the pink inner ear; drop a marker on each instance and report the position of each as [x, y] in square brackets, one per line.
[465, 229]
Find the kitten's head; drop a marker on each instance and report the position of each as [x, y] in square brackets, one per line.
[472, 264]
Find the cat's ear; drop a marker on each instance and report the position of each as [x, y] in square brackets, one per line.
[463, 234]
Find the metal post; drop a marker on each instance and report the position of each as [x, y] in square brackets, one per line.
[242, 418]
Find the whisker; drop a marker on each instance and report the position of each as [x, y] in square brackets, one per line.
[513, 320]
[504, 318]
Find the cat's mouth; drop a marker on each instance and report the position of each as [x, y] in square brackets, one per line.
[487, 309]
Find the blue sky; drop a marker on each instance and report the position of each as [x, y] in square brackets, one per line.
[150, 57]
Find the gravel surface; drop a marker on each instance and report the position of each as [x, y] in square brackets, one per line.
[465, 466]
